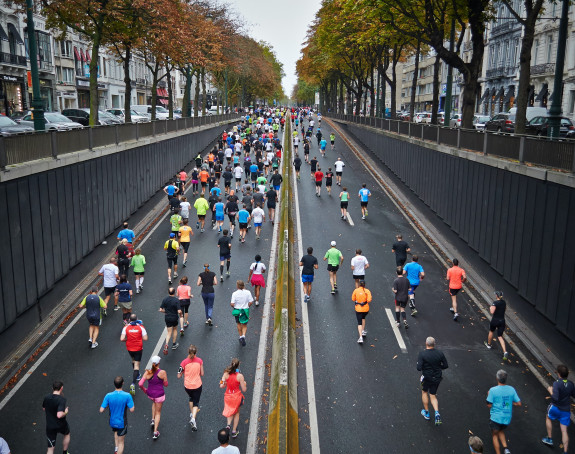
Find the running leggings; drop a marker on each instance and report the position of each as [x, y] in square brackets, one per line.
[209, 303]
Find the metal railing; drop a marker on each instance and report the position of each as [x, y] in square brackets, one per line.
[545, 68]
[22, 148]
[12, 59]
[555, 153]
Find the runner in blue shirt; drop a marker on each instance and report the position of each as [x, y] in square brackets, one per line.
[322, 146]
[216, 190]
[414, 273]
[219, 210]
[118, 402]
[254, 174]
[126, 233]
[364, 195]
[243, 217]
[501, 399]
[171, 190]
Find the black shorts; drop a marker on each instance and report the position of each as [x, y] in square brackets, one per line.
[227, 183]
[360, 316]
[401, 303]
[332, 142]
[497, 325]
[232, 218]
[136, 356]
[94, 321]
[318, 183]
[51, 434]
[185, 245]
[271, 205]
[427, 386]
[238, 179]
[204, 184]
[305, 151]
[496, 426]
[338, 174]
[172, 261]
[361, 277]
[194, 395]
[454, 291]
[364, 204]
[243, 225]
[201, 217]
[328, 182]
[297, 168]
[121, 432]
[333, 268]
[171, 322]
[237, 317]
[185, 305]
[343, 205]
[109, 290]
[139, 273]
[400, 261]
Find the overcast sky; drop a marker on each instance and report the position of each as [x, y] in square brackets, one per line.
[283, 24]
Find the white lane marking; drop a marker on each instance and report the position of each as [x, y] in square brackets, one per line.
[350, 220]
[252, 446]
[314, 432]
[157, 348]
[396, 330]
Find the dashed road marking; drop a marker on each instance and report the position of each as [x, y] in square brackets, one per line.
[395, 329]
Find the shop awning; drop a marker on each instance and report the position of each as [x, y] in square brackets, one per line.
[12, 28]
[77, 54]
[163, 101]
[3, 35]
[509, 95]
[485, 96]
[162, 92]
[500, 93]
[542, 93]
[88, 58]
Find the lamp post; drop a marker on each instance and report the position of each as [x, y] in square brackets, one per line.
[555, 111]
[226, 90]
[37, 103]
[188, 90]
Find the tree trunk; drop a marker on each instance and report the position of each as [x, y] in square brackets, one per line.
[94, 78]
[435, 101]
[128, 85]
[197, 93]
[204, 92]
[524, 76]
[414, 82]
[186, 101]
[359, 98]
[154, 94]
[340, 106]
[372, 96]
[170, 97]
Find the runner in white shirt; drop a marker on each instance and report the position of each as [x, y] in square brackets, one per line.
[111, 274]
[339, 165]
[242, 299]
[238, 172]
[256, 278]
[295, 143]
[358, 266]
[228, 152]
[238, 147]
[259, 217]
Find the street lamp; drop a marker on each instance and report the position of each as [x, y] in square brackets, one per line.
[37, 103]
[555, 111]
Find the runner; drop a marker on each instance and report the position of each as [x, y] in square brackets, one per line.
[456, 277]
[244, 218]
[234, 382]
[271, 198]
[225, 247]
[560, 408]
[241, 301]
[123, 298]
[313, 168]
[238, 172]
[256, 277]
[173, 313]
[401, 287]
[202, 206]
[328, 180]
[157, 381]
[195, 181]
[259, 217]
[338, 165]
[318, 181]
[207, 280]
[364, 195]
[192, 369]
[297, 165]
[134, 334]
[185, 208]
[126, 233]
[400, 248]
[497, 323]
[332, 140]
[334, 259]
[414, 273]
[184, 292]
[361, 297]
[204, 175]
[183, 176]
[431, 362]
[344, 200]
[358, 266]
[276, 180]
[139, 263]
[219, 209]
[501, 399]
[306, 150]
[309, 264]
[295, 142]
[322, 147]
[184, 235]
[94, 305]
[212, 200]
[117, 402]
[172, 249]
[231, 210]
[171, 190]
[111, 275]
[318, 135]
[56, 410]
[228, 175]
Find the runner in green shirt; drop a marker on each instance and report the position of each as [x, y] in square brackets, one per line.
[202, 206]
[332, 140]
[334, 259]
[139, 262]
[344, 199]
[176, 221]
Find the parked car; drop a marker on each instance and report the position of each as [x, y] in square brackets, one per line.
[479, 121]
[17, 116]
[422, 117]
[136, 117]
[531, 112]
[9, 127]
[501, 122]
[82, 116]
[161, 112]
[539, 126]
[54, 122]
[455, 121]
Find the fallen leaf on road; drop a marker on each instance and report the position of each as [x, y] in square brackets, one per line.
[395, 357]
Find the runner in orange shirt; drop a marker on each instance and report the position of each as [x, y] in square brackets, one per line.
[456, 277]
[204, 175]
[361, 297]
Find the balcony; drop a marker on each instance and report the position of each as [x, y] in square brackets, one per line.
[12, 59]
[45, 66]
[501, 71]
[547, 68]
[501, 28]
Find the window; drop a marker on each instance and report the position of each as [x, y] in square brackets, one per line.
[535, 52]
[44, 50]
[67, 75]
[549, 48]
[506, 56]
[571, 102]
[65, 48]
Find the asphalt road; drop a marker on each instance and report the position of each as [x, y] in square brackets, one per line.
[368, 396]
[88, 374]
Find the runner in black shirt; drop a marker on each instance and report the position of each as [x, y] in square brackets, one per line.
[328, 180]
[401, 248]
[313, 169]
[297, 165]
[225, 246]
[207, 280]
[271, 197]
[228, 176]
[173, 311]
[309, 264]
[306, 150]
[497, 310]
[401, 287]
[54, 406]
[430, 363]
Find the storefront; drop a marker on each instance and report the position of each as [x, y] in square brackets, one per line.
[66, 99]
[46, 93]
[12, 97]
[83, 87]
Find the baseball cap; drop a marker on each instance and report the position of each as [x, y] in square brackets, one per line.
[172, 235]
[156, 359]
[333, 243]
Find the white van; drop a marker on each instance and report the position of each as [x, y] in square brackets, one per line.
[161, 112]
[532, 112]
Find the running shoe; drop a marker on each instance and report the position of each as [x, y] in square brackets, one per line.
[505, 356]
[175, 346]
[90, 340]
[105, 312]
[210, 321]
[547, 441]
[193, 424]
[185, 261]
[455, 317]
[181, 331]
[138, 289]
[243, 341]
[221, 278]
[405, 324]
[235, 434]
[335, 286]
[116, 308]
[506, 451]
[397, 324]
[437, 419]
[366, 212]
[175, 274]
[227, 273]
[197, 225]
[186, 324]
[413, 312]
[363, 333]
[156, 435]
[487, 345]
[201, 231]
[95, 345]
[133, 389]
[360, 340]
[257, 237]
[257, 303]
[363, 217]
[207, 323]
[451, 309]
[169, 281]
[333, 291]
[425, 414]
[166, 349]
[228, 427]
[152, 424]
